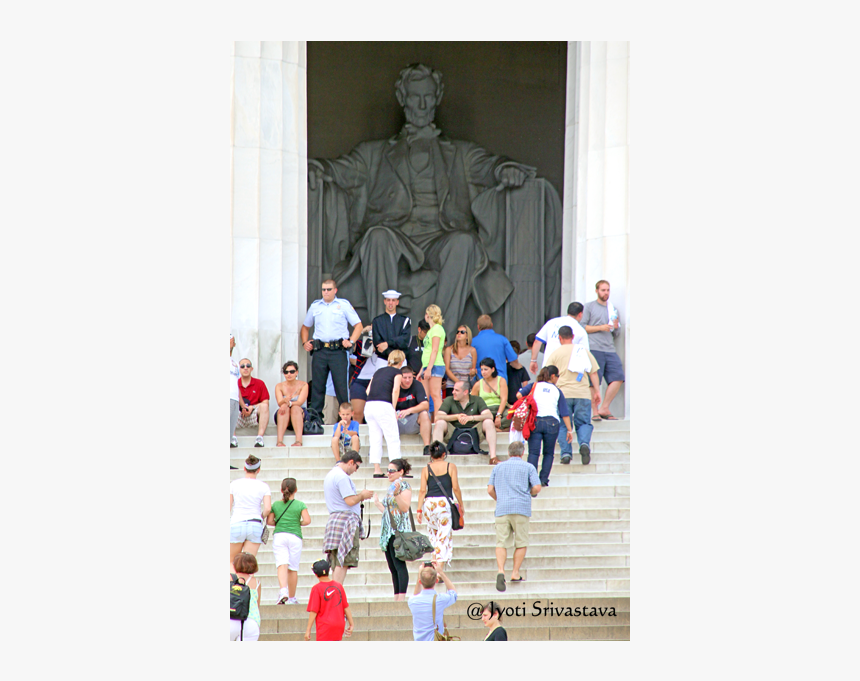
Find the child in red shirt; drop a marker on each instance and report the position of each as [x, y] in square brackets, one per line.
[327, 605]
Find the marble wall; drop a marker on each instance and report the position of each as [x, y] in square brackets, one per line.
[269, 204]
[596, 221]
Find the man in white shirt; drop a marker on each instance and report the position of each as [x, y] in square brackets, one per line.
[549, 335]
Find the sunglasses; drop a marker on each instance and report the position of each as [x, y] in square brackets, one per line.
[459, 331]
[392, 470]
[245, 366]
[328, 289]
[291, 371]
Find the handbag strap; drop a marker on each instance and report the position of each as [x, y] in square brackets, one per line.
[394, 525]
[289, 503]
[439, 482]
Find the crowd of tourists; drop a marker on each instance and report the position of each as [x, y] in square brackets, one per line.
[457, 395]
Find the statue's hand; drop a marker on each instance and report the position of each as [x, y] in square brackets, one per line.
[317, 174]
[511, 176]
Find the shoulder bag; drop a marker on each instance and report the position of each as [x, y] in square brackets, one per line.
[408, 545]
[457, 522]
[264, 537]
[436, 635]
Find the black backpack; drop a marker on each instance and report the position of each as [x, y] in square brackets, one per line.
[464, 441]
[240, 602]
[313, 423]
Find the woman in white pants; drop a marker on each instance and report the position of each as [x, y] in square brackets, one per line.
[380, 409]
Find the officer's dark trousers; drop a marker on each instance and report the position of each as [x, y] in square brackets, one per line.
[324, 361]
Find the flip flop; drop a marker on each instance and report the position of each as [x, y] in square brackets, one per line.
[608, 418]
[380, 475]
[500, 582]
[596, 417]
[521, 579]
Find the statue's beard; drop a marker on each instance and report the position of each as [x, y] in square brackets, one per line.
[419, 120]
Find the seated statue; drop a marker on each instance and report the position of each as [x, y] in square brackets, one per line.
[403, 214]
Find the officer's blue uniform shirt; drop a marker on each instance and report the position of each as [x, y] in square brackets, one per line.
[329, 320]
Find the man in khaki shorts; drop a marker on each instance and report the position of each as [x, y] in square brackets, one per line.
[463, 409]
[513, 483]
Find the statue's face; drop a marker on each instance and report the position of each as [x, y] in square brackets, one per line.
[420, 105]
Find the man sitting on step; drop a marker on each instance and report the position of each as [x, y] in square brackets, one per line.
[254, 401]
[465, 410]
[512, 484]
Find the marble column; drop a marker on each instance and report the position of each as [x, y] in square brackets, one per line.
[269, 205]
[595, 203]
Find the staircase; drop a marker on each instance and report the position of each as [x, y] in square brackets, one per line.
[578, 555]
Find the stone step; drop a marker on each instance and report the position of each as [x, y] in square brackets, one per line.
[486, 513]
[318, 456]
[473, 589]
[363, 429]
[379, 574]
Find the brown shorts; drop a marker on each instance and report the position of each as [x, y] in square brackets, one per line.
[351, 560]
[514, 526]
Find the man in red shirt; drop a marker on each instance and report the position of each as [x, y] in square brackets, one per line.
[254, 401]
[328, 606]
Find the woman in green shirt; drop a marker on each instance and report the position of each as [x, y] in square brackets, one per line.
[288, 517]
[432, 359]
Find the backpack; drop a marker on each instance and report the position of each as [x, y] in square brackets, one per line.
[313, 423]
[240, 602]
[464, 441]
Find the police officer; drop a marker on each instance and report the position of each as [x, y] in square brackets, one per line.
[329, 317]
[391, 331]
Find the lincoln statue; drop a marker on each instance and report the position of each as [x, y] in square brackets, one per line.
[421, 214]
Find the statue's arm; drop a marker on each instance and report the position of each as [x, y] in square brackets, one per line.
[488, 170]
[347, 172]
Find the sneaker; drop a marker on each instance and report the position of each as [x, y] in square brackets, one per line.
[585, 452]
[565, 459]
[234, 468]
[283, 601]
[234, 442]
[293, 601]
[259, 442]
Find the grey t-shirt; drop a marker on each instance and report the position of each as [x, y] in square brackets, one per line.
[596, 314]
[336, 486]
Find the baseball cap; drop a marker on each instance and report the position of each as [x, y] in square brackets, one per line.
[321, 567]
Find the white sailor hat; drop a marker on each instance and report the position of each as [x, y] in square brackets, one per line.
[391, 293]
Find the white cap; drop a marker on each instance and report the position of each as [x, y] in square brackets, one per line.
[391, 293]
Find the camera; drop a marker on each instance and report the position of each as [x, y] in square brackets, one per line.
[366, 345]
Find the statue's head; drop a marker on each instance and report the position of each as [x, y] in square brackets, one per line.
[419, 91]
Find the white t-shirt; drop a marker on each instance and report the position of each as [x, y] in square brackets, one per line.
[373, 364]
[234, 380]
[336, 487]
[549, 335]
[546, 397]
[248, 496]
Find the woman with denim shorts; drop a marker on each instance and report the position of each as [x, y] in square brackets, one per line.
[432, 359]
[250, 502]
[288, 517]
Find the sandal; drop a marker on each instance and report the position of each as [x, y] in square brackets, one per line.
[296, 444]
[494, 460]
[280, 444]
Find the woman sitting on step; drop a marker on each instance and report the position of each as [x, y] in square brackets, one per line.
[493, 389]
[288, 517]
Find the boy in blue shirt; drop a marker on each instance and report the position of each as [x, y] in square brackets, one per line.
[345, 432]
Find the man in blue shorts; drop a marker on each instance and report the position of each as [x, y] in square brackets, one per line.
[601, 320]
